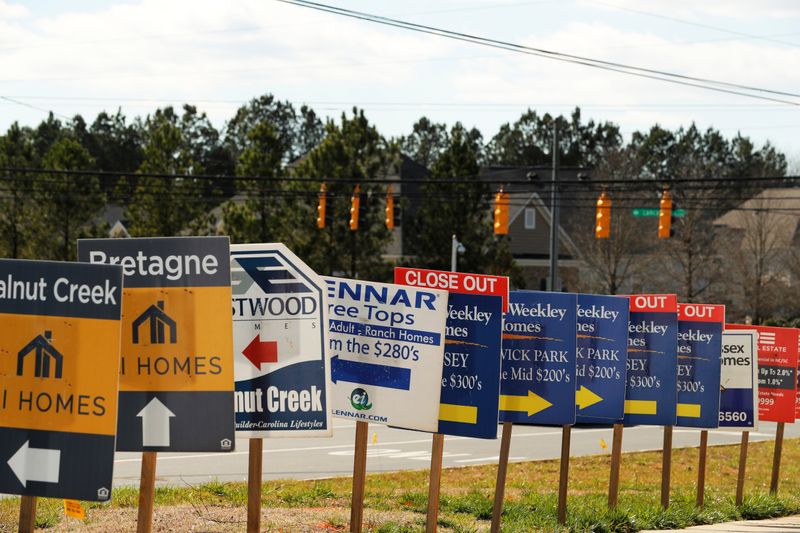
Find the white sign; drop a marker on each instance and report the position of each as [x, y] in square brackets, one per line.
[279, 338]
[387, 349]
[738, 408]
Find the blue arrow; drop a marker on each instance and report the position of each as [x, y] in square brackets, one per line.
[390, 377]
[271, 275]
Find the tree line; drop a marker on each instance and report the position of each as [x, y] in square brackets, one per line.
[42, 214]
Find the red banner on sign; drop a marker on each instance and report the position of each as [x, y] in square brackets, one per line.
[777, 371]
[701, 312]
[654, 303]
[459, 282]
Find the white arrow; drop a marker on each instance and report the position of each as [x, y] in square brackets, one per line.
[155, 423]
[35, 464]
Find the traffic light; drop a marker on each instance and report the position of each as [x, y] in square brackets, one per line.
[322, 206]
[389, 208]
[355, 207]
[602, 228]
[501, 213]
[665, 216]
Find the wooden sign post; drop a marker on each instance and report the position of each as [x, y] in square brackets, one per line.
[147, 484]
[27, 514]
[435, 482]
[254, 468]
[776, 459]
[701, 469]
[616, 458]
[742, 467]
[359, 477]
[502, 470]
[563, 479]
[666, 466]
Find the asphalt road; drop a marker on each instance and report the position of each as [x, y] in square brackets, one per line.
[395, 449]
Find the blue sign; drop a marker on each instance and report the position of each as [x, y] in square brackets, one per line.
[651, 393]
[738, 407]
[699, 350]
[471, 374]
[537, 381]
[279, 338]
[602, 356]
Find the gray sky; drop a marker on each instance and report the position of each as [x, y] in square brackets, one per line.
[83, 57]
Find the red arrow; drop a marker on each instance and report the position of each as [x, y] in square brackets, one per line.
[261, 352]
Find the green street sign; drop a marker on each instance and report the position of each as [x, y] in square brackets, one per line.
[653, 212]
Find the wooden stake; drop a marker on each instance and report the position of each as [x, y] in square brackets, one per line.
[27, 514]
[776, 459]
[147, 484]
[563, 479]
[666, 466]
[359, 477]
[742, 467]
[701, 469]
[502, 470]
[616, 459]
[254, 467]
[435, 482]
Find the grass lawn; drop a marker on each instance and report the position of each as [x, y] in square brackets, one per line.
[397, 502]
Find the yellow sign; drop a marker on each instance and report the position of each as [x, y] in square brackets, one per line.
[640, 407]
[689, 410]
[74, 509]
[466, 414]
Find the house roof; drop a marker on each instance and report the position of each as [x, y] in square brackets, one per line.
[783, 206]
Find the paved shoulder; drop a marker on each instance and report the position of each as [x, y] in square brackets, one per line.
[789, 523]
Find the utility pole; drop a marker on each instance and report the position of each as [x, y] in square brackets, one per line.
[554, 215]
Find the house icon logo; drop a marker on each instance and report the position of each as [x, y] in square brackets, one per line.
[102, 493]
[225, 444]
[158, 320]
[45, 353]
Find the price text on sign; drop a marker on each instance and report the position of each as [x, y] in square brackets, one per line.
[601, 358]
[739, 380]
[176, 375]
[699, 350]
[471, 373]
[537, 382]
[386, 344]
[777, 371]
[279, 335]
[59, 371]
[454, 282]
[651, 394]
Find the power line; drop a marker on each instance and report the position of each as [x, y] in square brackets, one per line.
[660, 75]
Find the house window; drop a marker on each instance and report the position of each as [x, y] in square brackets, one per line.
[530, 218]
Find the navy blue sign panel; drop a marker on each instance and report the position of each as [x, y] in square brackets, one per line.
[699, 350]
[738, 407]
[651, 394]
[602, 356]
[537, 383]
[471, 373]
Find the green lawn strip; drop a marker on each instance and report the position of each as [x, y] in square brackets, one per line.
[467, 494]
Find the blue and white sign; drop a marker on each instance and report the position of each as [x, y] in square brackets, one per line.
[699, 351]
[387, 349]
[279, 336]
[738, 408]
[602, 357]
[537, 381]
[651, 394]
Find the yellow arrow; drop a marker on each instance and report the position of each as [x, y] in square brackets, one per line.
[689, 410]
[585, 398]
[532, 403]
[466, 414]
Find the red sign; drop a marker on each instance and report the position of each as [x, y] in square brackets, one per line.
[654, 303]
[777, 371]
[458, 282]
[701, 312]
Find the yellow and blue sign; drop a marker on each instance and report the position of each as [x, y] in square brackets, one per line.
[602, 355]
[699, 351]
[738, 403]
[537, 380]
[651, 393]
